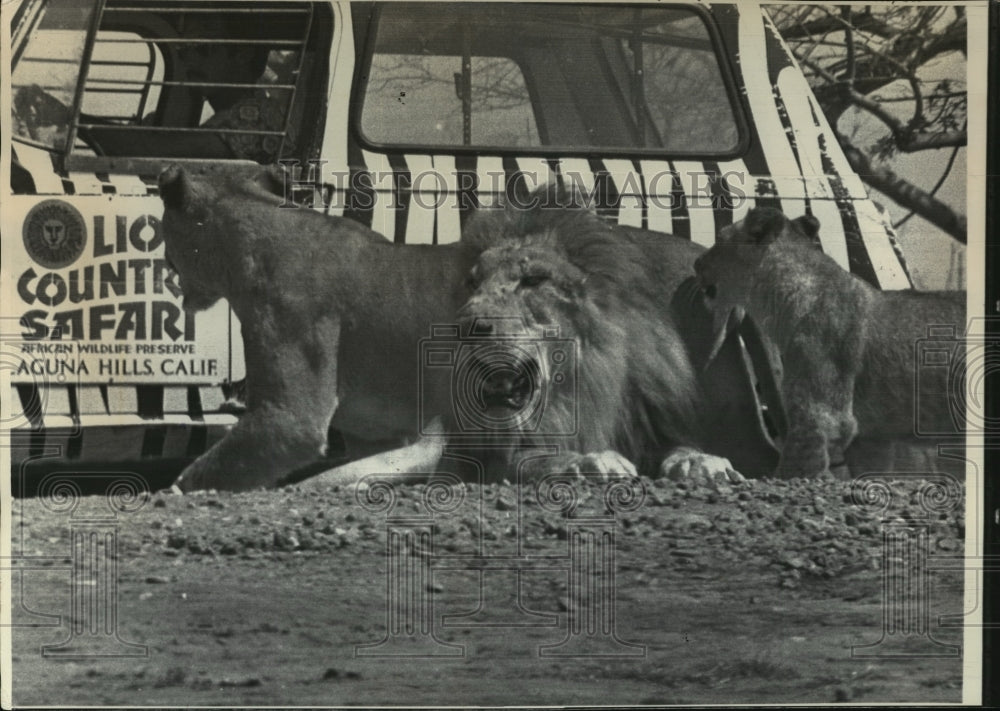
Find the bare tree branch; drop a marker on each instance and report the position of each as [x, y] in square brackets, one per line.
[905, 193]
[907, 139]
[937, 185]
[863, 20]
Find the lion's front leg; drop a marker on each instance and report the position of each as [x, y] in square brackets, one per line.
[263, 447]
[292, 395]
[816, 438]
[821, 422]
[606, 464]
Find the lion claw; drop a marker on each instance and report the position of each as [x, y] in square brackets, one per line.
[608, 464]
[699, 468]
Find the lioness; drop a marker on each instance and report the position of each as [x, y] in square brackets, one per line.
[331, 314]
[551, 269]
[847, 348]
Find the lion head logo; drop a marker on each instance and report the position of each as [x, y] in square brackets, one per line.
[54, 234]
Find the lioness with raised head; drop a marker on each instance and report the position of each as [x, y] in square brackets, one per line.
[331, 314]
[846, 348]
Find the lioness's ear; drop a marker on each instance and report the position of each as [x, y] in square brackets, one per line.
[273, 179]
[174, 188]
[764, 224]
[808, 225]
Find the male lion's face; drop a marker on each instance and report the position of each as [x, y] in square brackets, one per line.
[525, 293]
[727, 272]
[527, 280]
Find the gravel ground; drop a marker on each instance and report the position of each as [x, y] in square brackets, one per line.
[739, 593]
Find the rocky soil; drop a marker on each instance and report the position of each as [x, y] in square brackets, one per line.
[754, 592]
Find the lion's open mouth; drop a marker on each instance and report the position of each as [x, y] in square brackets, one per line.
[507, 389]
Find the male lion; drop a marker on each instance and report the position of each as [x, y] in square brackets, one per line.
[847, 348]
[331, 314]
[552, 272]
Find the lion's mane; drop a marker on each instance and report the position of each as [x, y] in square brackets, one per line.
[610, 290]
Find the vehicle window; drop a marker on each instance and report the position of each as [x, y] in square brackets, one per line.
[519, 75]
[499, 111]
[681, 97]
[43, 82]
[203, 80]
[125, 76]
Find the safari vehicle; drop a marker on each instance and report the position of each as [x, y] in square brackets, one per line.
[404, 116]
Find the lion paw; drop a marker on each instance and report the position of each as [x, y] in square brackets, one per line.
[699, 468]
[607, 464]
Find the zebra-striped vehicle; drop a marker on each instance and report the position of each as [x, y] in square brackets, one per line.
[676, 118]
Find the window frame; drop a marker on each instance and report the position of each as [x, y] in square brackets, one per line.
[726, 70]
[73, 160]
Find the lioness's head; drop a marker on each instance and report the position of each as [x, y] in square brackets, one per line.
[727, 271]
[206, 219]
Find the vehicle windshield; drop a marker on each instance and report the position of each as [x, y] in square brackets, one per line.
[538, 75]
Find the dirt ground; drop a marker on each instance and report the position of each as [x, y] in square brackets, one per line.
[749, 593]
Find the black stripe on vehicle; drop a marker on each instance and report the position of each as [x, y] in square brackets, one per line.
[21, 180]
[678, 206]
[197, 441]
[858, 259]
[786, 123]
[153, 439]
[553, 164]
[31, 403]
[777, 59]
[359, 194]
[149, 400]
[560, 177]
[606, 194]
[107, 187]
[468, 186]
[74, 403]
[722, 200]
[434, 227]
[515, 187]
[194, 406]
[644, 192]
[402, 187]
[898, 251]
